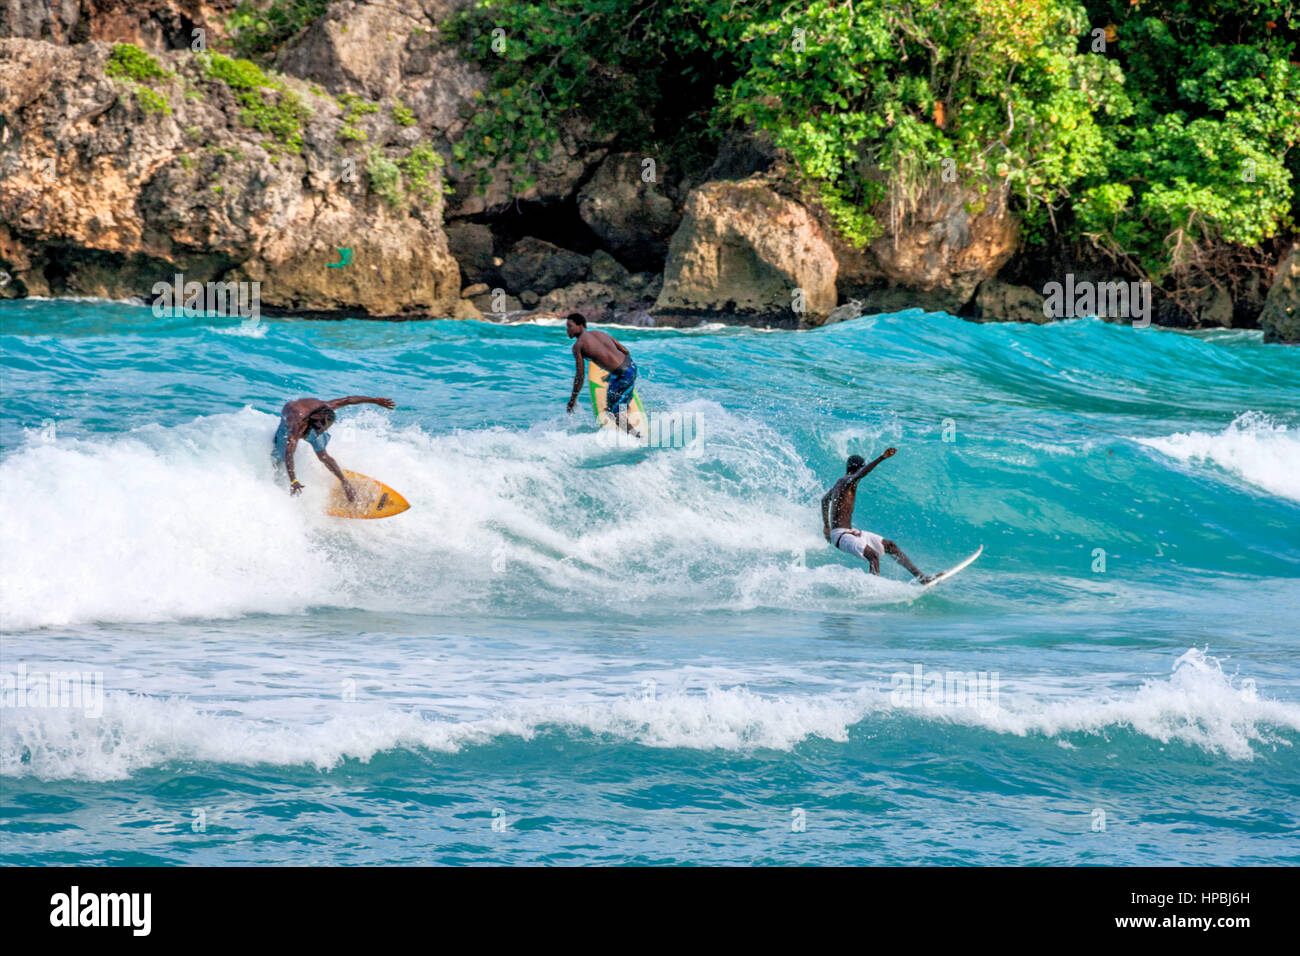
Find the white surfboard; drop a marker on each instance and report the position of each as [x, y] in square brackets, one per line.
[945, 575]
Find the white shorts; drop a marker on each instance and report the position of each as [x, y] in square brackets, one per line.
[858, 542]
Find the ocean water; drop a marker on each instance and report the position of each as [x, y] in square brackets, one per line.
[572, 652]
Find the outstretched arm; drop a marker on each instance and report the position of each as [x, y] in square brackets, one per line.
[866, 469]
[361, 400]
[577, 377]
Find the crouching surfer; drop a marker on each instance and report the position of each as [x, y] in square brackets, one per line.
[309, 419]
[838, 503]
[611, 355]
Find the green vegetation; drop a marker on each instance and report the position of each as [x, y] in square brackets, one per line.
[385, 177]
[423, 167]
[267, 105]
[1202, 168]
[419, 172]
[128, 62]
[1157, 132]
[152, 102]
[402, 115]
[258, 32]
[354, 107]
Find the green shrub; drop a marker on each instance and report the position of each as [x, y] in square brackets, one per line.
[1203, 167]
[128, 62]
[416, 175]
[152, 102]
[256, 32]
[267, 105]
[402, 115]
[423, 167]
[354, 107]
[385, 177]
[1172, 146]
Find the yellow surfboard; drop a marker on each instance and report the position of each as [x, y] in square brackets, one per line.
[374, 499]
[598, 382]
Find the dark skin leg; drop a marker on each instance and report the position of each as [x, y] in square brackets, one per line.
[897, 554]
[625, 425]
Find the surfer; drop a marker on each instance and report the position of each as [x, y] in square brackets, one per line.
[838, 504]
[309, 419]
[611, 355]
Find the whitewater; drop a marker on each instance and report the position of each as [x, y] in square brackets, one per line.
[572, 652]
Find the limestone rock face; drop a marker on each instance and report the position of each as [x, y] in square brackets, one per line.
[605, 268]
[155, 25]
[100, 196]
[496, 305]
[628, 210]
[542, 266]
[846, 312]
[1280, 319]
[743, 248]
[355, 48]
[471, 244]
[997, 301]
[592, 299]
[384, 51]
[940, 252]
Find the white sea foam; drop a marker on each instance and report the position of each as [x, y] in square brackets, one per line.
[1197, 705]
[170, 523]
[243, 330]
[1254, 448]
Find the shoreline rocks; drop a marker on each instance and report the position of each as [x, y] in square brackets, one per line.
[743, 249]
[109, 185]
[1280, 319]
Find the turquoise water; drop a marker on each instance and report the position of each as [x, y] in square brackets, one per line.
[571, 652]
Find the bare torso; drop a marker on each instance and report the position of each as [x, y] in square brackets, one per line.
[844, 495]
[295, 413]
[600, 348]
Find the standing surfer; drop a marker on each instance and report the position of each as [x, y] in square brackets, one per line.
[309, 419]
[611, 355]
[838, 503]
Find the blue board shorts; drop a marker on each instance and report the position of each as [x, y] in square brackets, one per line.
[317, 440]
[618, 390]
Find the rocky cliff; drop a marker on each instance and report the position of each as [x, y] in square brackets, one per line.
[133, 147]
